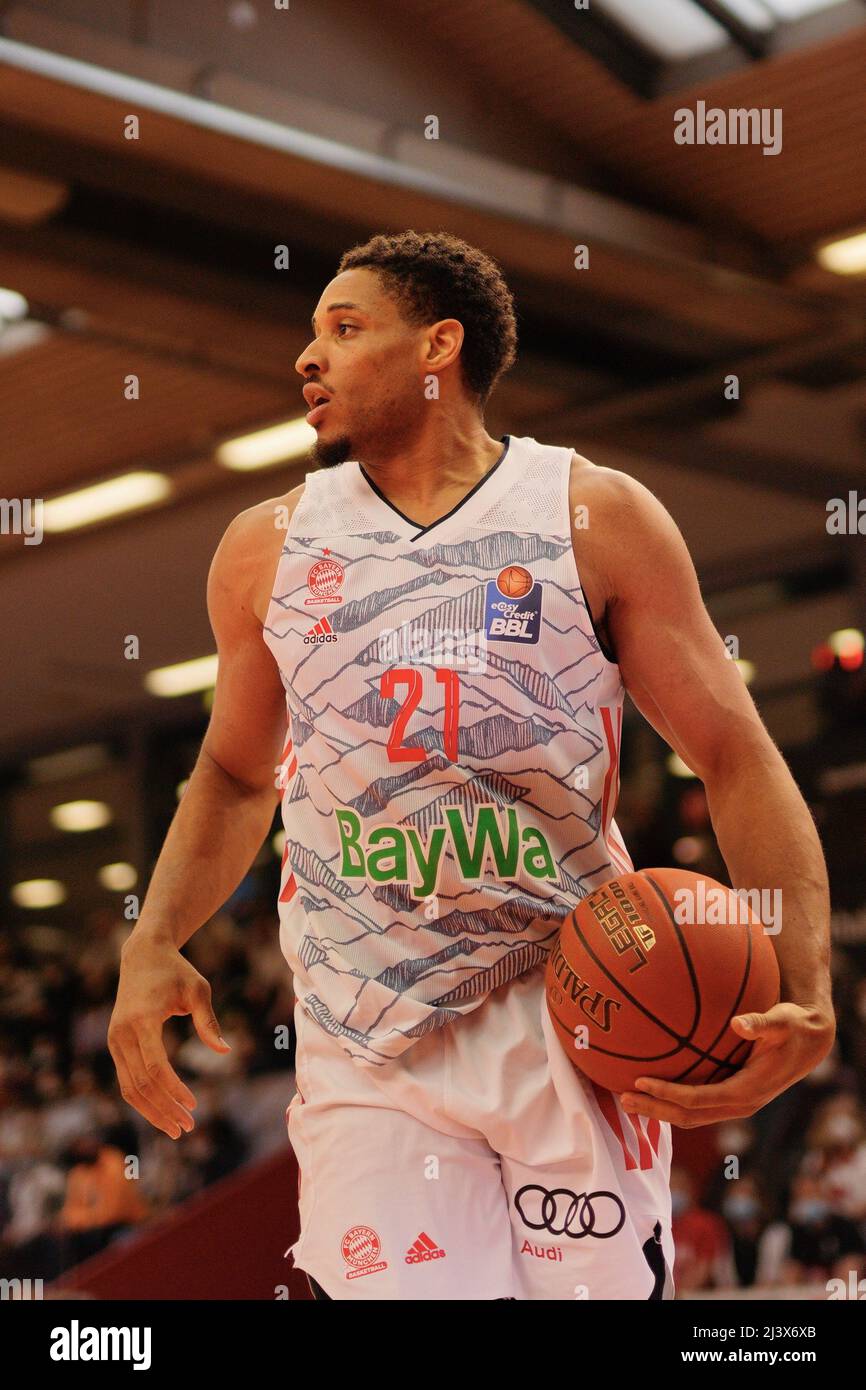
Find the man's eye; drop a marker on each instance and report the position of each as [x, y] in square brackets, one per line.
[344, 325]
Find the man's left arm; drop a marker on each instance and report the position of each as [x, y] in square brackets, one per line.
[678, 671]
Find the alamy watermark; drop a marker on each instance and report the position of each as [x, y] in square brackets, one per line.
[710, 904]
[847, 516]
[462, 649]
[738, 125]
[22, 516]
[21, 1290]
[85, 1343]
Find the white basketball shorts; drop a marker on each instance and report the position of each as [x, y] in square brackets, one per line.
[477, 1165]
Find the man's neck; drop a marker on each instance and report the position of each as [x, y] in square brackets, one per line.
[429, 477]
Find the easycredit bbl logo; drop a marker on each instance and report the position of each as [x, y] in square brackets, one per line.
[512, 606]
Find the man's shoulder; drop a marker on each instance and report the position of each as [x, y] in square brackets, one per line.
[612, 511]
[261, 528]
[247, 555]
[608, 487]
[271, 513]
[622, 534]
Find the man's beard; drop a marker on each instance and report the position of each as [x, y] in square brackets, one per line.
[328, 453]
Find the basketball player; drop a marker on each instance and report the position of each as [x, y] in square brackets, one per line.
[451, 620]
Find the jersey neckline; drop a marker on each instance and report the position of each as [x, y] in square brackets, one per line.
[505, 439]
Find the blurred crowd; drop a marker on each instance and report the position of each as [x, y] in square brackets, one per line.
[781, 1200]
[775, 1200]
[778, 1199]
[78, 1167]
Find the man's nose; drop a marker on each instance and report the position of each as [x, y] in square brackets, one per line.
[310, 360]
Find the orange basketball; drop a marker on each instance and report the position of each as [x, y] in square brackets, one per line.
[648, 972]
[514, 581]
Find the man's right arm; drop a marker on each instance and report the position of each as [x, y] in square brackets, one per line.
[228, 805]
[221, 821]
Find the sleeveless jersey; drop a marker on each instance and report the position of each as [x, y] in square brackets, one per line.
[451, 766]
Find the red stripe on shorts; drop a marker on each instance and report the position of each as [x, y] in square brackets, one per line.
[607, 1105]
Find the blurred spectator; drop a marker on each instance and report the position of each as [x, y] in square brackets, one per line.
[34, 1195]
[70, 1109]
[57, 1083]
[196, 1057]
[216, 1148]
[101, 1201]
[746, 1212]
[837, 1153]
[852, 1022]
[700, 1237]
[167, 1174]
[814, 1243]
[734, 1141]
[781, 1126]
[57, 1077]
[96, 1000]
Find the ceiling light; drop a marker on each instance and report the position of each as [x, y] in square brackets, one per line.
[69, 762]
[678, 31]
[746, 669]
[688, 849]
[38, 892]
[672, 29]
[117, 877]
[22, 336]
[765, 14]
[77, 816]
[847, 641]
[13, 305]
[126, 493]
[754, 13]
[184, 678]
[845, 256]
[797, 9]
[275, 444]
[677, 768]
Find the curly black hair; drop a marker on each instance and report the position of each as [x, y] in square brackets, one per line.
[434, 275]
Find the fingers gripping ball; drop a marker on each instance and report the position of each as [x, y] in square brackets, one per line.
[648, 972]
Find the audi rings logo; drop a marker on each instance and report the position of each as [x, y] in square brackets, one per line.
[566, 1213]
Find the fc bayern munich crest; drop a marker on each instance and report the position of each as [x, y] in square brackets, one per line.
[324, 581]
[361, 1248]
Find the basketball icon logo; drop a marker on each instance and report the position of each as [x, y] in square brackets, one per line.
[514, 581]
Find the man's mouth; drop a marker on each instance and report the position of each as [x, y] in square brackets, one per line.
[317, 398]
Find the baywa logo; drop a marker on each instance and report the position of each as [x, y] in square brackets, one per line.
[385, 858]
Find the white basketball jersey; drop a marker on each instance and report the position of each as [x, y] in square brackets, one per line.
[452, 761]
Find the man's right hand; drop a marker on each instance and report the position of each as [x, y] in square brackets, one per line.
[157, 983]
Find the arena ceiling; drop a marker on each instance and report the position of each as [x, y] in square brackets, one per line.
[157, 259]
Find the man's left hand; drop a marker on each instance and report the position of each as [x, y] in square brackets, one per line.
[789, 1042]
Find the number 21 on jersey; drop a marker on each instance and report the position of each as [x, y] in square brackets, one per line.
[413, 677]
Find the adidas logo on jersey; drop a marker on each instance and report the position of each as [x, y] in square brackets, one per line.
[320, 632]
[424, 1249]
